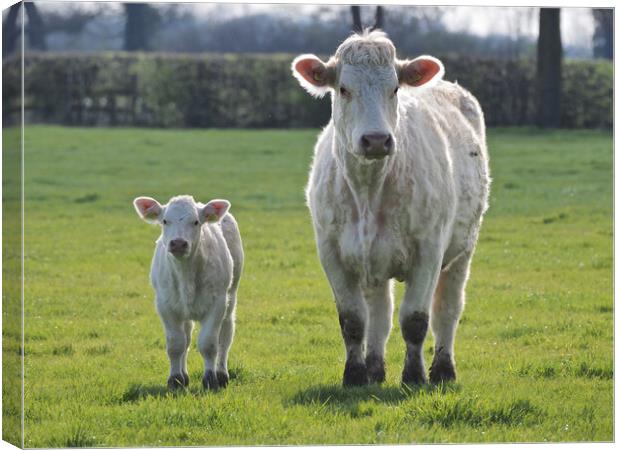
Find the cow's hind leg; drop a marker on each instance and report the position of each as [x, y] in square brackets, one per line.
[414, 311]
[380, 309]
[446, 311]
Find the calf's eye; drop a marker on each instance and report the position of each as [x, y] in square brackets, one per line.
[196, 223]
[395, 91]
[344, 92]
[165, 222]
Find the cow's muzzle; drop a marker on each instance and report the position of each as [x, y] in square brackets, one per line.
[376, 145]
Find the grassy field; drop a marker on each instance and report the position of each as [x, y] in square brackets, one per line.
[534, 348]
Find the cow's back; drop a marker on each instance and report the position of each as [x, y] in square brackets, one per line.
[460, 120]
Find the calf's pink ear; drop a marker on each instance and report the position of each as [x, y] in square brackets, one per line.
[420, 71]
[215, 210]
[314, 75]
[148, 209]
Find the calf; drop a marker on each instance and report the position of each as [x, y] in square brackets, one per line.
[397, 190]
[195, 273]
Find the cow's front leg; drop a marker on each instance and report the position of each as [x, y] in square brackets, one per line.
[208, 341]
[176, 347]
[352, 316]
[380, 308]
[414, 310]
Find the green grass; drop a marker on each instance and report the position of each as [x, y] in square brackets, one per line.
[534, 348]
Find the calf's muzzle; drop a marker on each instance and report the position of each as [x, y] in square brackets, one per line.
[178, 247]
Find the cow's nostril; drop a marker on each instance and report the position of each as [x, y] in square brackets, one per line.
[365, 142]
[377, 145]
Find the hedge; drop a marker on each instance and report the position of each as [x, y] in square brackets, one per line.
[226, 90]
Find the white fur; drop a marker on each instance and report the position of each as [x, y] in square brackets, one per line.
[200, 286]
[408, 215]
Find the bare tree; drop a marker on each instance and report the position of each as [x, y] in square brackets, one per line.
[358, 27]
[378, 18]
[357, 19]
[603, 38]
[10, 30]
[549, 68]
[36, 28]
[140, 26]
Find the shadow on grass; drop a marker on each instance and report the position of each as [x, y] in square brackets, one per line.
[137, 392]
[338, 399]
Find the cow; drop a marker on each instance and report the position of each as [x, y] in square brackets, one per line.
[397, 190]
[195, 273]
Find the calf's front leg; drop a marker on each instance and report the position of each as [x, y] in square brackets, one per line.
[176, 347]
[414, 311]
[208, 342]
[352, 316]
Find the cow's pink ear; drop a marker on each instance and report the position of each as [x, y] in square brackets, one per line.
[420, 71]
[148, 209]
[313, 74]
[215, 210]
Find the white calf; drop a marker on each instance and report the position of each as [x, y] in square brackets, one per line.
[195, 273]
[397, 190]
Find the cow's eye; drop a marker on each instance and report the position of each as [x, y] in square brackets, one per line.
[165, 222]
[344, 92]
[395, 91]
[196, 223]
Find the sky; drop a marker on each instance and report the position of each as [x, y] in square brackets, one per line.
[577, 24]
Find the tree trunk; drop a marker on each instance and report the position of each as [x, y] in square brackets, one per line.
[357, 19]
[10, 30]
[137, 26]
[378, 18]
[549, 68]
[36, 28]
[603, 39]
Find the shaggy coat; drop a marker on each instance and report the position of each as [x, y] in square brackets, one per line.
[408, 207]
[195, 273]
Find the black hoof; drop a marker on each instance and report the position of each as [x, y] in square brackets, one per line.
[442, 370]
[355, 374]
[376, 368]
[413, 373]
[176, 381]
[222, 379]
[209, 381]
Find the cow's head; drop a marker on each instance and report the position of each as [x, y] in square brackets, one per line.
[364, 78]
[181, 220]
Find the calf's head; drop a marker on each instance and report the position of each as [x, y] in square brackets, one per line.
[364, 78]
[181, 220]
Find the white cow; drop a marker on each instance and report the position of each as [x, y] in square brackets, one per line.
[397, 189]
[195, 273]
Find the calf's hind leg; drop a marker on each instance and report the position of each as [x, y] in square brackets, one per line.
[446, 311]
[226, 337]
